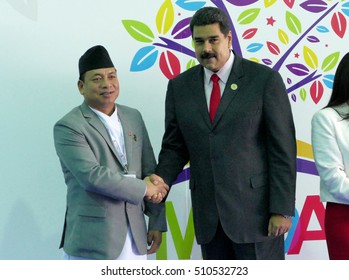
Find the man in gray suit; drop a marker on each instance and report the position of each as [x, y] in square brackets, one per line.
[241, 146]
[105, 154]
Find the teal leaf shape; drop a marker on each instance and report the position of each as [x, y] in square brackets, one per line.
[328, 80]
[190, 5]
[322, 29]
[144, 59]
[345, 9]
[255, 47]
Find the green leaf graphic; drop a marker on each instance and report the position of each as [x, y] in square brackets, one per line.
[191, 63]
[330, 62]
[293, 23]
[303, 94]
[138, 30]
[248, 16]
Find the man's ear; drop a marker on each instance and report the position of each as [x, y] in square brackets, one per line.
[81, 87]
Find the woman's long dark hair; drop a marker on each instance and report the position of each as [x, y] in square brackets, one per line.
[340, 91]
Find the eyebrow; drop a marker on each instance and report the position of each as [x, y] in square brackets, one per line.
[209, 37]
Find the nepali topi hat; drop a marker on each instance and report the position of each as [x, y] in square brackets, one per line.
[94, 58]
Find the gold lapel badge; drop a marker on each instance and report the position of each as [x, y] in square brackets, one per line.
[234, 86]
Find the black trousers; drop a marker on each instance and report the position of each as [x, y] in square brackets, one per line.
[222, 248]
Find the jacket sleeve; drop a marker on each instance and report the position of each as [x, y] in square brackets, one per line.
[328, 157]
[174, 154]
[155, 212]
[79, 163]
[281, 146]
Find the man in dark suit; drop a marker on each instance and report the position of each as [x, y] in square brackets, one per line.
[105, 154]
[242, 157]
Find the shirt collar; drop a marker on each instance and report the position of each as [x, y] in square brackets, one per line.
[113, 117]
[223, 73]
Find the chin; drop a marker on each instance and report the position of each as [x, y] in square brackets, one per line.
[211, 67]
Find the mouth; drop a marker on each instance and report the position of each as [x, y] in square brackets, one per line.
[105, 93]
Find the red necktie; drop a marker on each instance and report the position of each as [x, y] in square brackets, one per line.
[215, 96]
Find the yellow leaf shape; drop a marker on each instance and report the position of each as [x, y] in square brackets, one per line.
[283, 37]
[165, 17]
[310, 58]
[255, 59]
[268, 3]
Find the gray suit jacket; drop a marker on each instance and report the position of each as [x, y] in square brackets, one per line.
[243, 166]
[100, 200]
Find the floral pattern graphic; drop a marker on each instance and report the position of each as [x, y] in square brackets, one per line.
[292, 45]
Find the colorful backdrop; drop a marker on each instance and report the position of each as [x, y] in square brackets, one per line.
[149, 42]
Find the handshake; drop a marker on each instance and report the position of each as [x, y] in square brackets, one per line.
[157, 189]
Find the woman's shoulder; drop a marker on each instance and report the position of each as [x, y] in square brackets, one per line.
[331, 114]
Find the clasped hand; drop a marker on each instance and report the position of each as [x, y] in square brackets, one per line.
[157, 189]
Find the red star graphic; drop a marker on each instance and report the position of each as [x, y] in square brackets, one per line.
[270, 21]
[296, 55]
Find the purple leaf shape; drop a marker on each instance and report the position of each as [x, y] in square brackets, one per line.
[298, 69]
[289, 81]
[241, 2]
[182, 30]
[313, 39]
[314, 6]
[294, 97]
[308, 79]
[267, 61]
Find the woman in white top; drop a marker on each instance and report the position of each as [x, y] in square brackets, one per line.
[330, 141]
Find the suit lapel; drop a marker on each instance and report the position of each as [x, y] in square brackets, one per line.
[198, 92]
[96, 123]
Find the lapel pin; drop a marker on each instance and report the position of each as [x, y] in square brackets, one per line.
[234, 86]
[130, 134]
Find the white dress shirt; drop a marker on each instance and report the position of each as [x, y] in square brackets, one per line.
[113, 125]
[330, 141]
[223, 75]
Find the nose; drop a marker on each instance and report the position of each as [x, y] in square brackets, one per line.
[105, 83]
[207, 46]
